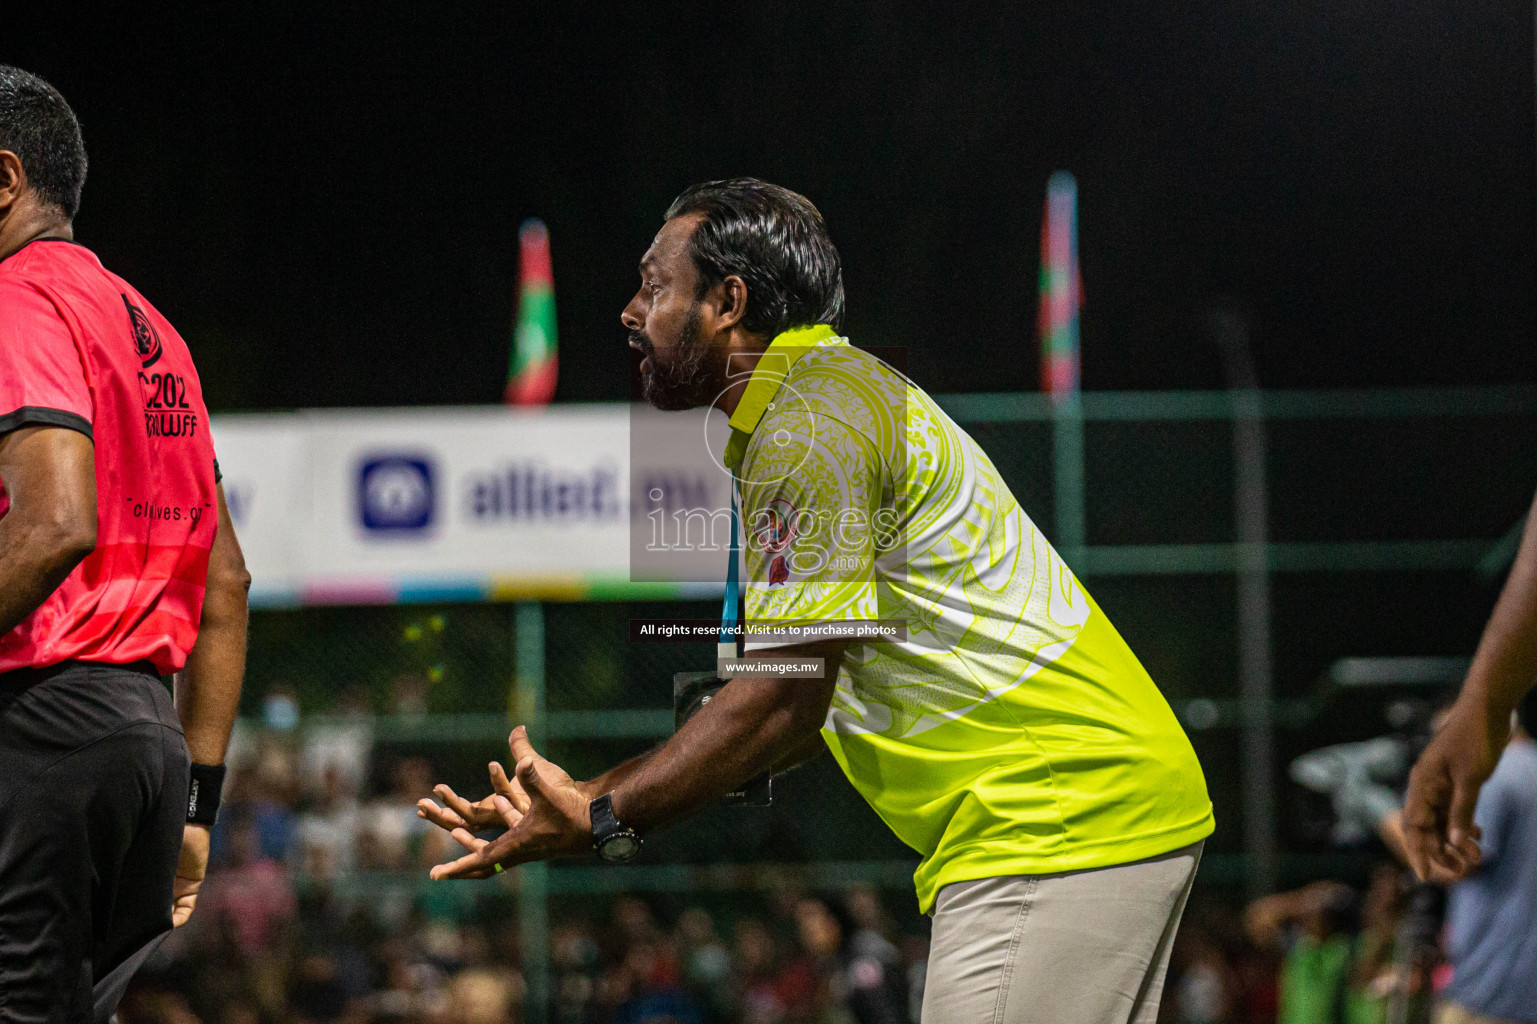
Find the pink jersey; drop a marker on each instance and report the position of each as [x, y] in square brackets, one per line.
[81, 349]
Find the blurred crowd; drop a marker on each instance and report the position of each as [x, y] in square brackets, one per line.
[1326, 953]
[317, 908]
[622, 964]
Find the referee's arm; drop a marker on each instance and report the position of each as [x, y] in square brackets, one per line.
[49, 475]
[208, 690]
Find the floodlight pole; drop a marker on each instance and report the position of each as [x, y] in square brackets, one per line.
[1255, 671]
[533, 880]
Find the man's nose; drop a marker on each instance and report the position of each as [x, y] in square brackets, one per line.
[629, 318]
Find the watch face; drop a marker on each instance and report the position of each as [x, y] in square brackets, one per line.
[619, 848]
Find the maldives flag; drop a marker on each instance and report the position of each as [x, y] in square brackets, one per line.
[531, 372]
[1061, 287]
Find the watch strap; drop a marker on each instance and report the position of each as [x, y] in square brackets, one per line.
[604, 824]
[614, 842]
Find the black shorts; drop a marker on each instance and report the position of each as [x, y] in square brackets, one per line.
[93, 794]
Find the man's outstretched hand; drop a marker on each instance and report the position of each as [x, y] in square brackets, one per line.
[1440, 838]
[553, 822]
[457, 812]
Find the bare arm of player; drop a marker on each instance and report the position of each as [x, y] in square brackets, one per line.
[752, 724]
[50, 476]
[1440, 836]
[611, 780]
[755, 723]
[208, 690]
[617, 776]
[811, 747]
[457, 812]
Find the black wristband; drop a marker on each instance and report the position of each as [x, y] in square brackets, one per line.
[203, 793]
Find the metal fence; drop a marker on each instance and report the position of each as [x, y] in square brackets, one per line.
[1370, 524]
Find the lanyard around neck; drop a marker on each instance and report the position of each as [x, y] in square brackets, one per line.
[730, 645]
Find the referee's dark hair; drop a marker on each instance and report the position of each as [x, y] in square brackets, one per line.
[775, 241]
[38, 126]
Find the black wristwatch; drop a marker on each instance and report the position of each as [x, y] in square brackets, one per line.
[614, 842]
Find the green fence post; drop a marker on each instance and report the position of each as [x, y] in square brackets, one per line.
[1255, 670]
[1067, 469]
[1256, 674]
[533, 879]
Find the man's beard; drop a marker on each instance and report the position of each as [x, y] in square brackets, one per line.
[690, 379]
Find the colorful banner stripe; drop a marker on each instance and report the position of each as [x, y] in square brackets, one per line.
[451, 590]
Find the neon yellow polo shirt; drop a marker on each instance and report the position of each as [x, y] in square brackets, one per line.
[1012, 731]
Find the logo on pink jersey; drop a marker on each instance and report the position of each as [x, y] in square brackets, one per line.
[145, 338]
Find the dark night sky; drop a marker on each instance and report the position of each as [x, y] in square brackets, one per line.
[326, 205]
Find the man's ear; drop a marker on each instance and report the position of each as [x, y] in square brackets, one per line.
[13, 180]
[733, 302]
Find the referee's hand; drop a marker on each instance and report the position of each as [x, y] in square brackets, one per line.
[189, 873]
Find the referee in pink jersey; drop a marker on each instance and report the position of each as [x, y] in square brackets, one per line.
[118, 566]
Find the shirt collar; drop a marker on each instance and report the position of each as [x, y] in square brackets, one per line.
[772, 369]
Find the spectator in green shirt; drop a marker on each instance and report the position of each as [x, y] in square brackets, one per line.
[1329, 975]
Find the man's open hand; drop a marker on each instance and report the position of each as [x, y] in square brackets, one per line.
[1440, 838]
[457, 812]
[189, 873]
[554, 822]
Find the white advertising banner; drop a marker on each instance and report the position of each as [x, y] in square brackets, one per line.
[363, 506]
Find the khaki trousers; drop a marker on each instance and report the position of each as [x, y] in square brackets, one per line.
[1081, 947]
